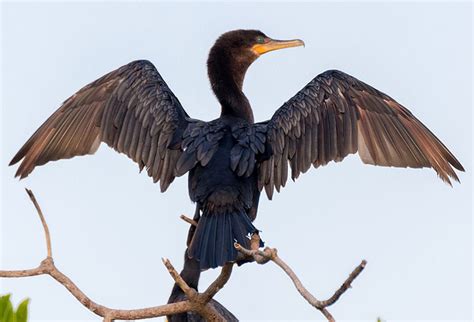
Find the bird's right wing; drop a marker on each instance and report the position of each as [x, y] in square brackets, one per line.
[131, 109]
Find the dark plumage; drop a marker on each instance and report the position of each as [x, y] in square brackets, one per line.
[231, 159]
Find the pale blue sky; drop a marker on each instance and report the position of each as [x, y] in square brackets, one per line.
[110, 226]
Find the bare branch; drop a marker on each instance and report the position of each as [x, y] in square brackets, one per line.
[188, 220]
[346, 285]
[47, 267]
[271, 254]
[199, 301]
[190, 292]
[43, 222]
[23, 273]
[219, 283]
[197, 304]
[261, 257]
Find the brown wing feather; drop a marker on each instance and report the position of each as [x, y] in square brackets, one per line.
[336, 115]
[131, 109]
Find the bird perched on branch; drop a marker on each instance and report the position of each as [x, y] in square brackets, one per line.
[232, 158]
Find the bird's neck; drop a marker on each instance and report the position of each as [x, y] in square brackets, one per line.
[227, 77]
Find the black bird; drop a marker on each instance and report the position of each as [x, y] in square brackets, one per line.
[231, 159]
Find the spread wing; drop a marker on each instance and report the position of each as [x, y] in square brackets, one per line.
[335, 115]
[131, 109]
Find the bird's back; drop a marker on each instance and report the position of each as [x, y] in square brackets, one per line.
[226, 191]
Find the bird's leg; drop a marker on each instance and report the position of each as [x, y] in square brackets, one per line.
[255, 241]
[254, 244]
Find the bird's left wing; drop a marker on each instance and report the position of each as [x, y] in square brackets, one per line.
[131, 109]
[336, 115]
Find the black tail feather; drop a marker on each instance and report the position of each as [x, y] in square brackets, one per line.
[216, 233]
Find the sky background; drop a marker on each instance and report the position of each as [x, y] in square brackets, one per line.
[110, 226]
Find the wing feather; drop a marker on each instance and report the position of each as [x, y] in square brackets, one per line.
[131, 109]
[336, 115]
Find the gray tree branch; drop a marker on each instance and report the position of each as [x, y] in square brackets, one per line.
[196, 303]
[271, 254]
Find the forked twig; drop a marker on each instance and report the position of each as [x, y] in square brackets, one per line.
[271, 254]
[47, 267]
[196, 302]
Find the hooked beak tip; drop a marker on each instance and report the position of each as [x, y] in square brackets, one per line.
[273, 44]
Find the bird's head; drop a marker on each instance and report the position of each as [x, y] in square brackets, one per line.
[235, 50]
[244, 46]
[228, 61]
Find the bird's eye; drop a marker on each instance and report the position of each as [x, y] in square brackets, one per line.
[260, 39]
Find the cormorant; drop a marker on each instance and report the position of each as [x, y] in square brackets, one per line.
[231, 159]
